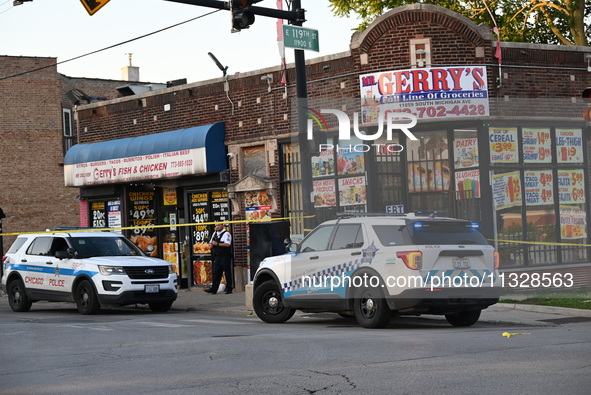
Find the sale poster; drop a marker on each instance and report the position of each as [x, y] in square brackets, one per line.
[571, 186]
[323, 164]
[506, 190]
[538, 187]
[573, 223]
[324, 193]
[465, 153]
[468, 184]
[503, 145]
[537, 146]
[569, 145]
[352, 191]
[142, 213]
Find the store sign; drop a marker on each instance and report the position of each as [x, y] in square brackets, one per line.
[426, 93]
[144, 167]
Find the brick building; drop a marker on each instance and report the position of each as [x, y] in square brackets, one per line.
[36, 128]
[499, 143]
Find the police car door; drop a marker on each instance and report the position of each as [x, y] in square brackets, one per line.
[36, 266]
[60, 279]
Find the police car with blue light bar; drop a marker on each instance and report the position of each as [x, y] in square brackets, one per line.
[376, 267]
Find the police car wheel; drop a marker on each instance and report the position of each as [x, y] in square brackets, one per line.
[371, 309]
[160, 307]
[268, 304]
[17, 297]
[86, 299]
[463, 318]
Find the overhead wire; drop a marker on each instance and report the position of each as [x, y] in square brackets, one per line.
[109, 47]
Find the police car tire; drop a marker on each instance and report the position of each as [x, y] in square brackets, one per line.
[160, 307]
[268, 304]
[371, 309]
[86, 299]
[463, 318]
[17, 297]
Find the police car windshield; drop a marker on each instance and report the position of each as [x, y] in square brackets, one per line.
[88, 247]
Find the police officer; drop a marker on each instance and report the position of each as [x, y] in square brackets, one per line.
[221, 250]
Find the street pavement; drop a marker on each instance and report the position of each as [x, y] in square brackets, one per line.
[195, 299]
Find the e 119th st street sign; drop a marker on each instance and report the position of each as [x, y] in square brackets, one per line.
[93, 6]
[300, 38]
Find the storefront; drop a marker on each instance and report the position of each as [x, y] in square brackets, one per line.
[148, 187]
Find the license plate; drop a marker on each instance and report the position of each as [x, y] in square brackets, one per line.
[461, 263]
[152, 288]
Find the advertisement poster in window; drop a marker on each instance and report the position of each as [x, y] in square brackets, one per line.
[569, 145]
[324, 193]
[114, 214]
[468, 184]
[142, 212]
[258, 205]
[539, 188]
[503, 145]
[350, 162]
[220, 205]
[98, 214]
[352, 191]
[506, 189]
[537, 145]
[573, 223]
[323, 165]
[439, 176]
[571, 186]
[465, 153]
[199, 215]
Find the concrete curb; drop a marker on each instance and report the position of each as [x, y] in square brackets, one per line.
[548, 309]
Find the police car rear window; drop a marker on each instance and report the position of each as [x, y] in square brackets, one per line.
[445, 233]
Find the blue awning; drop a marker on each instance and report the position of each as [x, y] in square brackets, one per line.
[193, 151]
[210, 137]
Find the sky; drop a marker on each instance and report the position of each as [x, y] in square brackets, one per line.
[63, 29]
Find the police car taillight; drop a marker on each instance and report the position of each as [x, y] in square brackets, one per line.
[412, 259]
[497, 259]
[3, 259]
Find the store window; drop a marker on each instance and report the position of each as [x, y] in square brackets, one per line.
[428, 171]
[466, 174]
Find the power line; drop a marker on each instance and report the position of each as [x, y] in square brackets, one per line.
[109, 47]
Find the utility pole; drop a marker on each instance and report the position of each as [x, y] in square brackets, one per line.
[243, 12]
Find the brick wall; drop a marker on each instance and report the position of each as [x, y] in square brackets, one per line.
[32, 191]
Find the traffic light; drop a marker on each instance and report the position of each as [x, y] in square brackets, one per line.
[242, 16]
[587, 99]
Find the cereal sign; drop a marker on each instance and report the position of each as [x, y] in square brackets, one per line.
[503, 145]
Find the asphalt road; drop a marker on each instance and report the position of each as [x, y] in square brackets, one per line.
[54, 350]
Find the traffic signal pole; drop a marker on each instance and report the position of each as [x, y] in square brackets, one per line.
[296, 17]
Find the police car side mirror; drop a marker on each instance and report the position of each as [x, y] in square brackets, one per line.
[290, 246]
[62, 255]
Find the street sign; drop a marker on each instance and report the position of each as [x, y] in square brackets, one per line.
[93, 6]
[300, 38]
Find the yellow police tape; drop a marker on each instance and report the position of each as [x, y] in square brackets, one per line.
[541, 243]
[154, 226]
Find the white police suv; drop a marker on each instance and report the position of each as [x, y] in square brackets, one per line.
[376, 267]
[92, 269]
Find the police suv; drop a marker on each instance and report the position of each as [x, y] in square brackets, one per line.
[92, 269]
[376, 267]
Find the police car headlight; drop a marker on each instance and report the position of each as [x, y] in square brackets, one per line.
[171, 270]
[109, 270]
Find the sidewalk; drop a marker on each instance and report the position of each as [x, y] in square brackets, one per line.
[197, 300]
